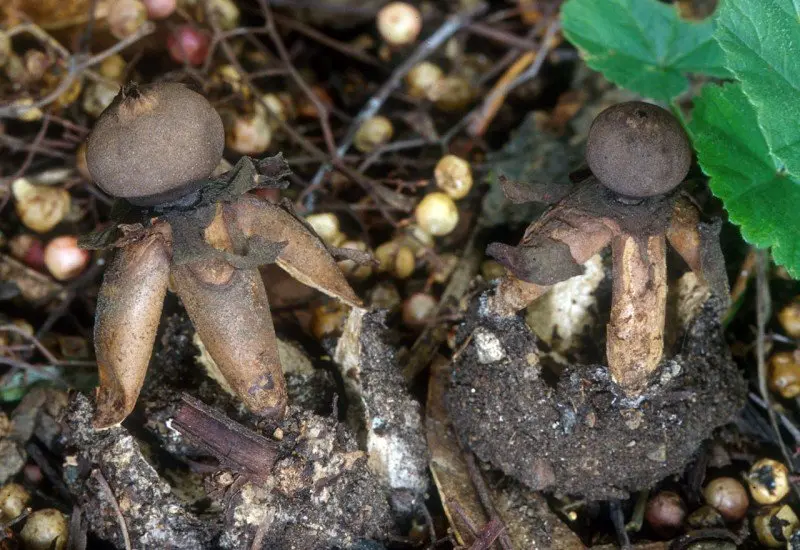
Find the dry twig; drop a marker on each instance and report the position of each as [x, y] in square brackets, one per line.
[480, 118]
[424, 348]
[228, 441]
[76, 64]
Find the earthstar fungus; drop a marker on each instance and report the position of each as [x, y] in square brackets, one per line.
[154, 149]
[637, 154]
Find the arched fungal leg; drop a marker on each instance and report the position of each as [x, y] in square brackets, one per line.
[128, 313]
[230, 311]
[305, 257]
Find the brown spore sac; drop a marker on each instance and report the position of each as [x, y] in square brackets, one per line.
[638, 150]
[153, 142]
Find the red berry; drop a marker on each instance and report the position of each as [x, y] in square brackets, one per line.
[64, 259]
[28, 249]
[188, 44]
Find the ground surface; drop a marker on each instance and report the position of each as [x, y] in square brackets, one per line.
[409, 427]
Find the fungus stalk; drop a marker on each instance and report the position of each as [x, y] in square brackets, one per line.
[635, 332]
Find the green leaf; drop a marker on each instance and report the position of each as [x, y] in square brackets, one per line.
[22, 381]
[761, 40]
[642, 44]
[732, 150]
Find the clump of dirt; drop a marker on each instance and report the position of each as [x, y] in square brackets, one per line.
[385, 416]
[179, 365]
[110, 476]
[575, 431]
[321, 495]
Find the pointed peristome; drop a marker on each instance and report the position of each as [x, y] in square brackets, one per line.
[305, 257]
[128, 313]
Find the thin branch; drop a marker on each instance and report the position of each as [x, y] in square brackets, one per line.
[34, 148]
[16, 145]
[32, 339]
[391, 147]
[325, 40]
[787, 423]
[41, 36]
[462, 515]
[17, 365]
[485, 498]
[480, 118]
[323, 113]
[379, 194]
[327, 7]
[548, 41]
[487, 31]
[511, 55]
[484, 115]
[488, 534]
[86, 37]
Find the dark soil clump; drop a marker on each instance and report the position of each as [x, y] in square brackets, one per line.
[581, 435]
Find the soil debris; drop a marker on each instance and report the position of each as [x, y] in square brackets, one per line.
[386, 417]
[575, 431]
